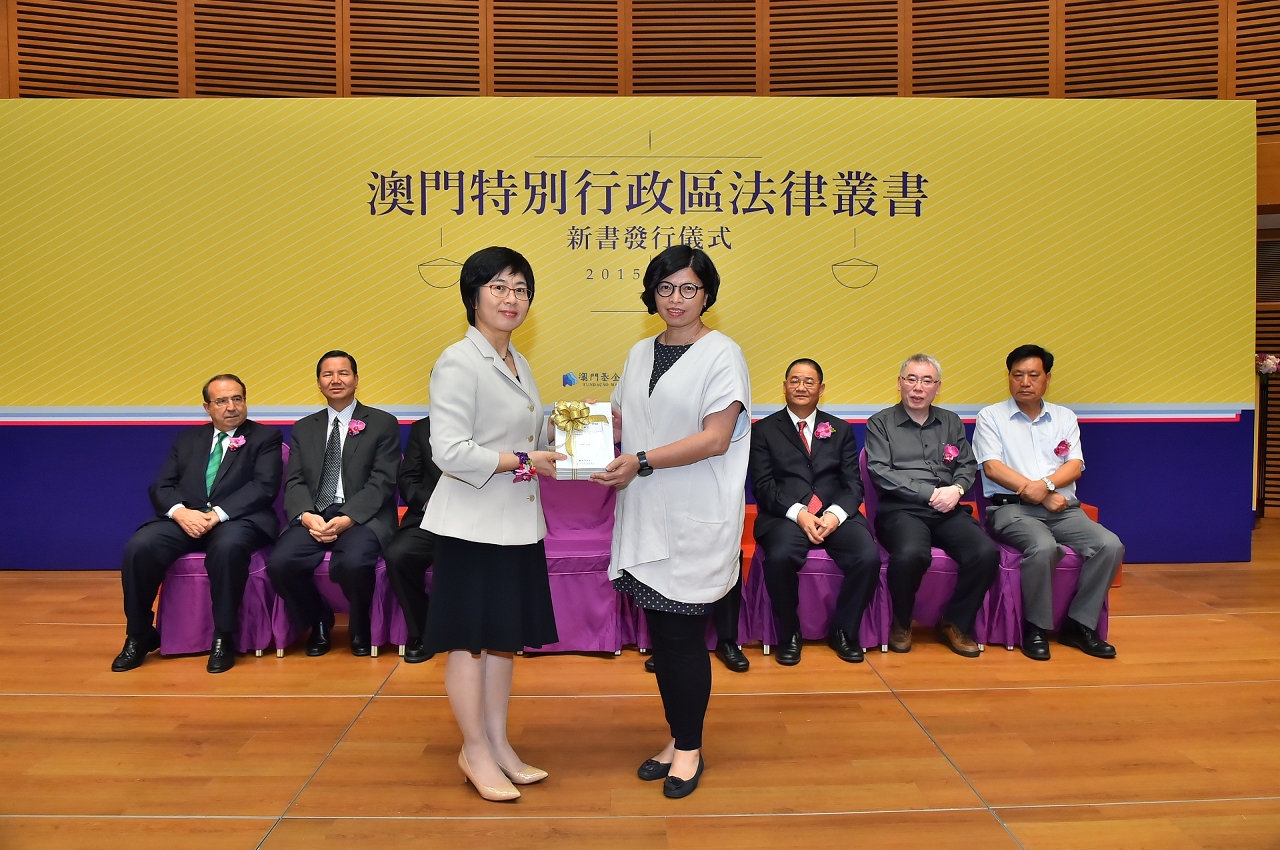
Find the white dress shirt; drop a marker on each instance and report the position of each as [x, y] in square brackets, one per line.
[1026, 445]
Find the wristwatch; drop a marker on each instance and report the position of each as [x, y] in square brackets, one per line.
[1049, 483]
[645, 468]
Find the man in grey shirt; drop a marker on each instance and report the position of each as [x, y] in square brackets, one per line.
[921, 464]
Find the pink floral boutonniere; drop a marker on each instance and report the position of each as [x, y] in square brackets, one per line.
[235, 443]
[949, 453]
[1062, 449]
[823, 430]
[355, 427]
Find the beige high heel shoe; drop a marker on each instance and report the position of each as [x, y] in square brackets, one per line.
[496, 795]
[525, 777]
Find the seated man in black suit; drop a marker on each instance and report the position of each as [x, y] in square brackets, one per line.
[213, 495]
[411, 549]
[804, 470]
[340, 497]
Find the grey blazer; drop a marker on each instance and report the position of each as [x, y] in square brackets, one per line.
[479, 410]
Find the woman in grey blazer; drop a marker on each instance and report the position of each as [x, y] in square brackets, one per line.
[490, 595]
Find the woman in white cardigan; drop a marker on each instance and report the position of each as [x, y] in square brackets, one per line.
[490, 595]
[683, 408]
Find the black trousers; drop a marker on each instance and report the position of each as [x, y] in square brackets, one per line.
[908, 533]
[353, 557]
[727, 609]
[785, 549]
[152, 550]
[683, 669]
[409, 554]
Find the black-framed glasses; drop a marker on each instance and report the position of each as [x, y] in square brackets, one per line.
[687, 290]
[501, 290]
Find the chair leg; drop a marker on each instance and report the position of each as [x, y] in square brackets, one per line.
[280, 652]
[765, 647]
[642, 650]
[258, 653]
[617, 652]
[982, 647]
[402, 650]
[884, 647]
[373, 651]
[1009, 647]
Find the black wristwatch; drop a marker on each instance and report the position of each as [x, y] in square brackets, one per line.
[645, 468]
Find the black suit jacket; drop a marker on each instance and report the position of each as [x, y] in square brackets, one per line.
[369, 462]
[247, 481]
[783, 473]
[418, 473]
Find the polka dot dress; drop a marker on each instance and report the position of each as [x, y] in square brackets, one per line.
[664, 357]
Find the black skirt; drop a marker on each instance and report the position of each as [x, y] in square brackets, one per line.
[485, 596]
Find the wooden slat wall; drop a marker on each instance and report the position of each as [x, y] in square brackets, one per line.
[1072, 48]
[415, 48]
[990, 49]
[562, 46]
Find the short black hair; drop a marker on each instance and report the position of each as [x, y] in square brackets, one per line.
[1025, 352]
[225, 376]
[337, 353]
[483, 266]
[672, 260]
[808, 362]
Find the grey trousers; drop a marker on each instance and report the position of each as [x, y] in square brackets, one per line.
[1039, 534]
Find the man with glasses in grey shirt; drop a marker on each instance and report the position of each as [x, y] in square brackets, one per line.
[921, 465]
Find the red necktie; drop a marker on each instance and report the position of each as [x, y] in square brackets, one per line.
[815, 504]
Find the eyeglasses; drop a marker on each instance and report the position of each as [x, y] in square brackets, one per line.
[912, 380]
[237, 400]
[808, 383]
[501, 290]
[687, 290]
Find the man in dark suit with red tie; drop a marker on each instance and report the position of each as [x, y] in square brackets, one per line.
[214, 495]
[339, 497]
[804, 470]
[412, 548]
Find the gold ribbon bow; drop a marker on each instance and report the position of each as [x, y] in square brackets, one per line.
[570, 416]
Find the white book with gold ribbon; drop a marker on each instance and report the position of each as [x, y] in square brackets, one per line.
[584, 432]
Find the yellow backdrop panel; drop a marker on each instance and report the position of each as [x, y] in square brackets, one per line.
[148, 244]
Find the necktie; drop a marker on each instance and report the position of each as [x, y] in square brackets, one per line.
[815, 504]
[332, 468]
[215, 460]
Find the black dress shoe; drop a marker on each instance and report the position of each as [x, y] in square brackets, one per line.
[135, 652]
[845, 650]
[1084, 639]
[675, 787]
[649, 664]
[729, 652]
[222, 657]
[361, 644]
[1034, 644]
[788, 652]
[414, 653]
[321, 640]
[652, 770]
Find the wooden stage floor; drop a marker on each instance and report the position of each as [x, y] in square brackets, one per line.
[1175, 744]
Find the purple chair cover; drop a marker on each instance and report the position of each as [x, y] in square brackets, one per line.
[185, 615]
[939, 582]
[381, 608]
[820, 581]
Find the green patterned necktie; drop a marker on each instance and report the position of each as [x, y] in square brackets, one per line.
[215, 460]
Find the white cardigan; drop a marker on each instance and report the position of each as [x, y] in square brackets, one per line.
[479, 410]
[679, 530]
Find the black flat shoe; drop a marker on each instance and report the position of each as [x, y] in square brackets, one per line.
[652, 770]
[222, 657]
[1084, 639]
[788, 652]
[361, 645]
[1034, 643]
[675, 787]
[415, 654]
[648, 665]
[845, 649]
[321, 639]
[135, 652]
[731, 654]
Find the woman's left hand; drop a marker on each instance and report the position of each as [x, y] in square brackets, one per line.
[619, 473]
